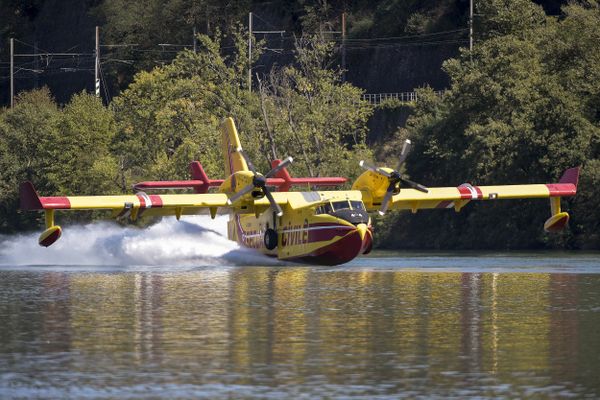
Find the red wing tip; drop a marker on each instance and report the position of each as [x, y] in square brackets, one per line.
[29, 199]
[570, 176]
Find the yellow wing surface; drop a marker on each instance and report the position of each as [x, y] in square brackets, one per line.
[130, 205]
[457, 197]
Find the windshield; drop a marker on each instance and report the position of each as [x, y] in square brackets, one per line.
[329, 208]
[357, 205]
[340, 205]
[324, 209]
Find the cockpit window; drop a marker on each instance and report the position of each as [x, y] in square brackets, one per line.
[340, 205]
[357, 205]
[329, 208]
[324, 209]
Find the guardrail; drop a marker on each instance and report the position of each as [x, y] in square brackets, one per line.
[403, 97]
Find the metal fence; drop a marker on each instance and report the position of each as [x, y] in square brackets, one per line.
[404, 97]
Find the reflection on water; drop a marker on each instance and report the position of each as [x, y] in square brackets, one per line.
[281, 332]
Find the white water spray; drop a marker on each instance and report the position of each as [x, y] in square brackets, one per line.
[193, 241]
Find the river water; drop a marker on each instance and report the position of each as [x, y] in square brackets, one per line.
[392, 325]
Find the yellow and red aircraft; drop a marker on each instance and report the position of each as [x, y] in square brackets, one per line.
[321, 227]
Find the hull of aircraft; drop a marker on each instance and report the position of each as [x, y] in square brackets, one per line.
[321, 240]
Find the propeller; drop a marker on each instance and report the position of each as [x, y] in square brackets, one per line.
[394, 177]
[259, 182]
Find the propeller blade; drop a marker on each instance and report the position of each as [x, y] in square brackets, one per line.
[365, 165]
[414, 185]
[404, 153]
[386, 200]
[247, 159]
[278, 168]
[274, 206]
[370, 167]
[384, 173]
[237, 195]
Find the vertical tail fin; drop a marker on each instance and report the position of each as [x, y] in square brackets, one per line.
[198, 173]
[231, 143]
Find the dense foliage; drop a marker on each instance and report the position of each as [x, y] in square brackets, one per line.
[170, 115]
[523, 107]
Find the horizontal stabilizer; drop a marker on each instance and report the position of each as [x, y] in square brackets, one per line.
[168, 185]
[200, 182]
[288, 181]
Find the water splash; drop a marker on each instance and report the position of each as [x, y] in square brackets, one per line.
[193, 241]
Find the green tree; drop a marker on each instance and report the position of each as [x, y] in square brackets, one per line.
[317, 119]
[517, 112]
[61, 151]
[81, 161]
[502, 17]
[24, 134]
[170, 115]
[143, 25]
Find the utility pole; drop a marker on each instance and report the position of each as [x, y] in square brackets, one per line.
[471, 25]
[97, 67]
[344, 47]
[195, 48]
[251, 32]
[36, 65]
[250, 51]
[12, 73]
[36, 56]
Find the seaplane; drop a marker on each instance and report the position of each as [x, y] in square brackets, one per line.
[324, 227]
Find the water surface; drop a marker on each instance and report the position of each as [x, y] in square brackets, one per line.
[390, 326]
[178, 311]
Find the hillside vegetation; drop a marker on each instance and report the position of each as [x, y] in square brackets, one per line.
[521, 108]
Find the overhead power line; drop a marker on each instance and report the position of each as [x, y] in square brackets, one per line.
[70, 61]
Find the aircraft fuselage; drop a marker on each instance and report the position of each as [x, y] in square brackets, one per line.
[317, 235]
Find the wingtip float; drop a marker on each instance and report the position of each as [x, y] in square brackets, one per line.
[30, 200]
[566, 186]
[314, 226]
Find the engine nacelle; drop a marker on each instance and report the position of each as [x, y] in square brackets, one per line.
[374, 186]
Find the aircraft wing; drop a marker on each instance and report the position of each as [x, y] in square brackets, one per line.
[457, 197]
[122, 205]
